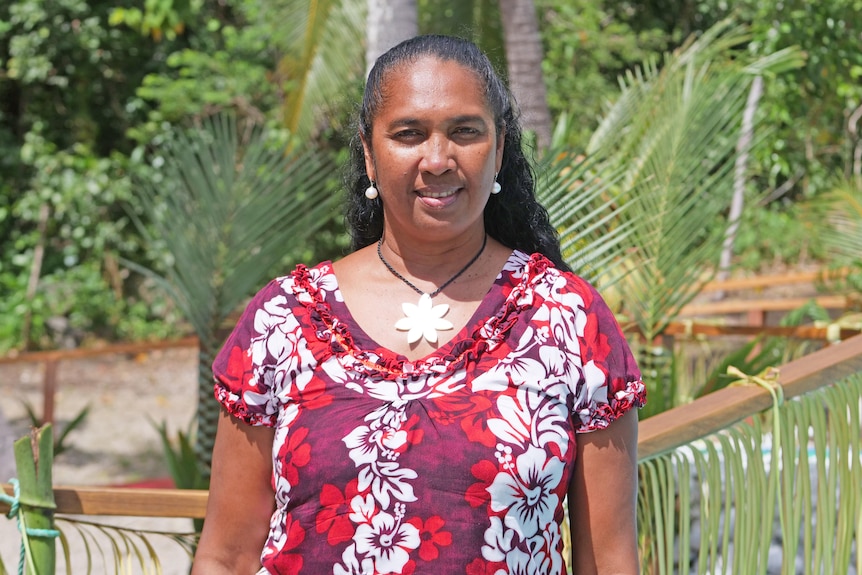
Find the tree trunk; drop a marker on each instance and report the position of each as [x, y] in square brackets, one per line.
[743, 147]
[389, 22]
[524, 63]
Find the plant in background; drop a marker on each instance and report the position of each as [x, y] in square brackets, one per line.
[228, 202]
[842, 237]
[59, 441]
[672, 137]
[183, 463]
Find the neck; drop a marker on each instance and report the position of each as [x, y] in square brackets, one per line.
[429, 262]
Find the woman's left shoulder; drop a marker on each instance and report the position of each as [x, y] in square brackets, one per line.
[560, 284]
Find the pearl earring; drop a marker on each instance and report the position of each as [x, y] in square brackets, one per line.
[497, 187]
[371, 193]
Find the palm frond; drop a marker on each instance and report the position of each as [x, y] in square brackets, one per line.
[673, 135]
[228, 207]
[582, 198]
[720, 504]
[321, 57]
[843, 237]
[94, 547]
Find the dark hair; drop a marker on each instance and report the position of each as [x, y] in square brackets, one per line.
[513, 217]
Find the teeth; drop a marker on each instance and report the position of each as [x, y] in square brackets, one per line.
[438, 195]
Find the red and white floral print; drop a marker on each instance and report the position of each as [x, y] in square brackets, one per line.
[455, 463]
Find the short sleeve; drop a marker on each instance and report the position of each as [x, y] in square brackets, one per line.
[611, 384]
[244, 368]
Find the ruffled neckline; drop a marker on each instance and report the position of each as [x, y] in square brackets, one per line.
[330, 332]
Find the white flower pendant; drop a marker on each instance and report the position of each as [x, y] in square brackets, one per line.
[423, 320]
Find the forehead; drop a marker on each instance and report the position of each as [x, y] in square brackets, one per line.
[430, 84]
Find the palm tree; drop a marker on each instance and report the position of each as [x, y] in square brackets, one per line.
[839, 215]
[389, 22]
[524, 56]
[230, 203]
[669, 146]
[322, 59]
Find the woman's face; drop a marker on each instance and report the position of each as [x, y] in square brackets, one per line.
[434, 150]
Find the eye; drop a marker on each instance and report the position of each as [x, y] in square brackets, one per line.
[466, 132]
[408, 135]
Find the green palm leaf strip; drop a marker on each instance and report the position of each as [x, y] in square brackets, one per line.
[792, 473]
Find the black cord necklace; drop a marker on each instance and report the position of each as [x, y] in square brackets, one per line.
[425, 319]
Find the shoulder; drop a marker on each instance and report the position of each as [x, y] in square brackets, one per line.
[552, 283]
[282, 294]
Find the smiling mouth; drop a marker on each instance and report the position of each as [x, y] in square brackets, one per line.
[437, 195]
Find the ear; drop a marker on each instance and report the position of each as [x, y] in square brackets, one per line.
[501, 140]
[369, 161]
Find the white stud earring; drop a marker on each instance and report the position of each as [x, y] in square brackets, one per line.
[497, 187]
[371, 193]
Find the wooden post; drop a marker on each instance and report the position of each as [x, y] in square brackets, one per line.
[34, 458]
[49, 390]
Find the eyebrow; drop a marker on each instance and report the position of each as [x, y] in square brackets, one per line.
[464, 119]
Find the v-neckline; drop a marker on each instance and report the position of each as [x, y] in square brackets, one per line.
[488, 305]
[331, 330]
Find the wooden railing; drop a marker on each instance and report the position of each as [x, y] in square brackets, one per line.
[755, 308]
[657, 434]
[721, 409]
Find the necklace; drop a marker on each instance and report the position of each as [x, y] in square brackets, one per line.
[424, 319]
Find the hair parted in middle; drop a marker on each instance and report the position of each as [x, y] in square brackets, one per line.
[514, 217]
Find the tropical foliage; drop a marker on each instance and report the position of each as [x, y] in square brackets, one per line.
[88, 87]
[674, 131]
[230, 202]
[194, 142]
[666, 150]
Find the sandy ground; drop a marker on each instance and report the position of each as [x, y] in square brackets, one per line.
[116, 445]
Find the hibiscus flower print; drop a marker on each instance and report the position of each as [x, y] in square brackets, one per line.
[526, 494]
[351, 565]
[288, 536]
[388, 481]
[363, 443]
[387, 541]
[432, 535]
[498, 541]
[332, 518]
[477, 494]
[514, 367]
[294, 454]
[325, 281]
[521, 563]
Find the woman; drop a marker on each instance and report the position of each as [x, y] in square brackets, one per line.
[421, 406]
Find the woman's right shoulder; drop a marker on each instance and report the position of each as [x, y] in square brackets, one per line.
[287, 285]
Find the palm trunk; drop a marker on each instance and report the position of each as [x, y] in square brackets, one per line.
[743, 147]
[208, 409]
[524, 62]
[389, 22]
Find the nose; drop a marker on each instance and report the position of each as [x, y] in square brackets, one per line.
[437, 155]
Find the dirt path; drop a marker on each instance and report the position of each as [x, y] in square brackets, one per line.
[117, 444]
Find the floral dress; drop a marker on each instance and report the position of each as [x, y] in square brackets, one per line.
[457, 463]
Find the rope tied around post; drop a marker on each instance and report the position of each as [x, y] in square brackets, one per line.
[26, 532]
[767, 379]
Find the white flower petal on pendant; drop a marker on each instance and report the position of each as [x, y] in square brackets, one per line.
[423, 320]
